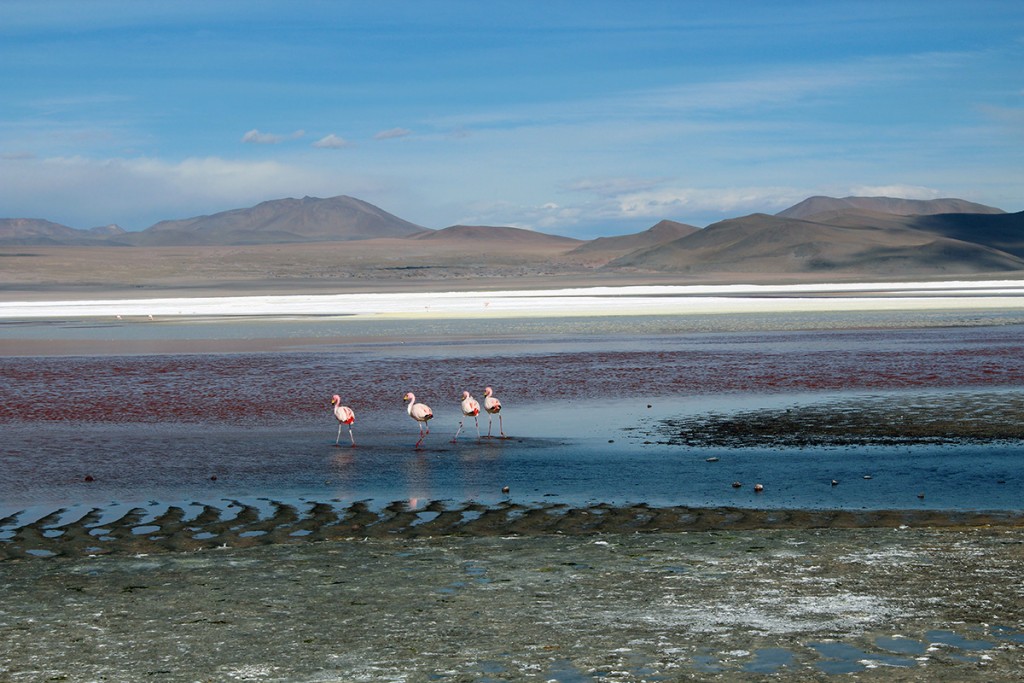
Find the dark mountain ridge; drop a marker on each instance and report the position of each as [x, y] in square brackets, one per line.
[915, 245]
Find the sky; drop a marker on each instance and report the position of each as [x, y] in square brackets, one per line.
[573, 118]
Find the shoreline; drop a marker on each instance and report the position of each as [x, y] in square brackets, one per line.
[239, 524]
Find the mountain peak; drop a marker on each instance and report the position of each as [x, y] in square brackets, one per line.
[310, 219]
[891, 205]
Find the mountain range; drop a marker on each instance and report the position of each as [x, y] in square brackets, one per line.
[820, 235]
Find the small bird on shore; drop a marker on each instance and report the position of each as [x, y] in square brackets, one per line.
[470, 408]
[420, 412]
[345, 416]
[493, 407]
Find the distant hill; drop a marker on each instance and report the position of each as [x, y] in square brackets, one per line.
[761, 243]
[851, 236]
[309, 219]
[39, 232]
[660, 233]
[812, 206]
[495, 234]
[1003, 231]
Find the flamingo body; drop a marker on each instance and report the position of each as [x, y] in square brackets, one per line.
[470, 408]
[420, 412]
[493, 407]
[345, 416]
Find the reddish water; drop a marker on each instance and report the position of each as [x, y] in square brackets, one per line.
[163, 426]
[254, 388]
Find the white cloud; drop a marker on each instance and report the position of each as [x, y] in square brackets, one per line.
[256, 137]
[897, 191]
[392, 133]
[332, 141]
[728, 200]
[137, 192]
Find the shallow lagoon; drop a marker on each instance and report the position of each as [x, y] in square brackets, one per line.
[587, 401]
[221, 439]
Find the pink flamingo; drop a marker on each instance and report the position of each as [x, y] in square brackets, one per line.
[493, 407]
[420, 412]
[470, 408]
[345, 417]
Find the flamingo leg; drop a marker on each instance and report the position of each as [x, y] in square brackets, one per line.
[500, 427]
[350, 436]
[489, 419]
[477, 426]
[457, 432]
[421, 436]
[339, 435]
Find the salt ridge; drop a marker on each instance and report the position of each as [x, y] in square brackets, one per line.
[626, 300]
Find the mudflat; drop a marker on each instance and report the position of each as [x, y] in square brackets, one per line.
[893, 604]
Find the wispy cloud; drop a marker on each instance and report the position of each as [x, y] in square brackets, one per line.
[137, 192]
[256, 137]
[899, 191]
[332, 141]
[392, 133]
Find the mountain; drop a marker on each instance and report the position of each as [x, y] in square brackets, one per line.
[309, 219]
[111, 230]
[1003, 231]
[496, 234]
[609, 247]
[39, 232]
[761, 243]
[812, 206]
[852, 236]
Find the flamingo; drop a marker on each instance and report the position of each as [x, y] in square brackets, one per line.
[470, 408]
[345, 417]
[420, 412]
[493, 407]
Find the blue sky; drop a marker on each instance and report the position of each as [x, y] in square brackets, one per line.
[576, 118]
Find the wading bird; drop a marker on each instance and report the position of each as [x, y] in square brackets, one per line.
[470, 408]
[345, 417]
[493, 407]
[420, 412]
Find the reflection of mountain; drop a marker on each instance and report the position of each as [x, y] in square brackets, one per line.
[820, 235]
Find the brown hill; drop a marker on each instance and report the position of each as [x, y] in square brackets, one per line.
[812, 206]
[772, 244]
[36, 231]
[612, 247]
[1003, 231]
[497, 234]
[309, 219]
